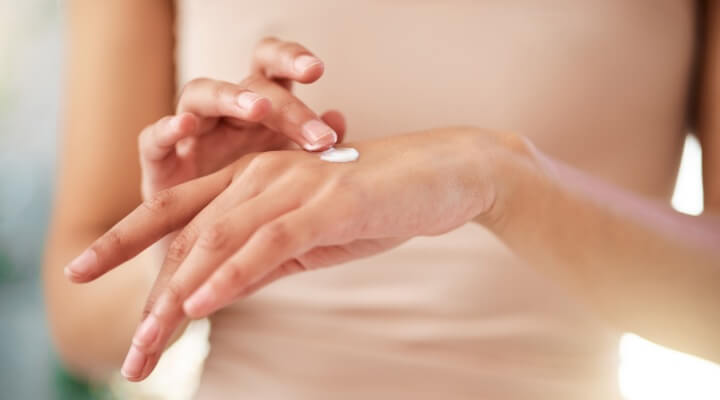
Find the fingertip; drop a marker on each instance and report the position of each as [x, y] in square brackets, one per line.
[187, 122]
[176, 128]
[134, 364]
[252, 106]
[259, 110]
[318, 135]
[80, 269]
[308, 68]
[200, 303]
[149, 366]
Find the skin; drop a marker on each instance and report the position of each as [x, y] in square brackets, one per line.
[660, 259]
[170, 153]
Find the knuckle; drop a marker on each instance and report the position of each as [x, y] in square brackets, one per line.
[216, 237]
[147, 135]
[144, 136]
[193, 84]
[112, 240]
[236, 275]
[223, 90]
[147, 309]
[160, 201]
[288, 50]
[267, 40]
[277, 234]
[292, 47]
[180, 247]
[253, 82]
[292, 267]
[264, 165]
[290, 109]
[174, 293]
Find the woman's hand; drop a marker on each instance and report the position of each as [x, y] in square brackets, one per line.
[217, 122]
[276, 213]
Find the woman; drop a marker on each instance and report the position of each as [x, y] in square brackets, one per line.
[474, 263]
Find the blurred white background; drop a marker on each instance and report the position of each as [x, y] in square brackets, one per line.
[651, 372]
[30, 59]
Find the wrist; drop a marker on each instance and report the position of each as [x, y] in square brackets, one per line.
[519, 178]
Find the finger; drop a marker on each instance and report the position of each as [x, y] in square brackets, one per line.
[321, 257]
[163, 304]
[225, 236]
[213, 98]
[271, 245]
[163, 213]
[275, 58]
[316, 258]
[213, 246]
[159, 139]
[159, 328]
[160, 318]
[251, 176]
[336, 120]
[163, 311]
[291, 116]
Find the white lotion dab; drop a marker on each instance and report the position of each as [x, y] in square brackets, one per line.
[343, 154]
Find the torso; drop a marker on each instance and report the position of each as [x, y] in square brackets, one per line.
[600, 85]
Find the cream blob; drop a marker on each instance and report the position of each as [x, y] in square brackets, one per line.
[343, 154]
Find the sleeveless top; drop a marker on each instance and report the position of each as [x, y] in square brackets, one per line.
[601, 85]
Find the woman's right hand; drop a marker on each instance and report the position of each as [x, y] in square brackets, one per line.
[217, 122]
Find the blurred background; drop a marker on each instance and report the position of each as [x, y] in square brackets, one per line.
[31, 51]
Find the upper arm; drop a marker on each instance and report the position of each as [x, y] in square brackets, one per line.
[709, 107]
[118, 78]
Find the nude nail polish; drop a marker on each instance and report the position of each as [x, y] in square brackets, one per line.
[199, 301]
[304, 62]
[134, 363]
[318, 134]
[147, 332]
[82, 265]
[246, 100]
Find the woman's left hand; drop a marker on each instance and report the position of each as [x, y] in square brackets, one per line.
[275, 213]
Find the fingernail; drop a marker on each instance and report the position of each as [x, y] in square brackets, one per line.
[82, 265]
[147, 332]
[318, 134]
[134, 363]
[246, 99]
[304, 62]
[198, 303]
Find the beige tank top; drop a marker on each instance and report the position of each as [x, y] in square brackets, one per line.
[600, 84]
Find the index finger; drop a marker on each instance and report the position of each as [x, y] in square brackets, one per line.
[165, 212]
[276, 58]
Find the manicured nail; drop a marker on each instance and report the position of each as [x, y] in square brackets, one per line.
[82, 265]
[147, 332]
[304, 62]
[318, 134]
[199, 302]
[134, 363]
[246, 100]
